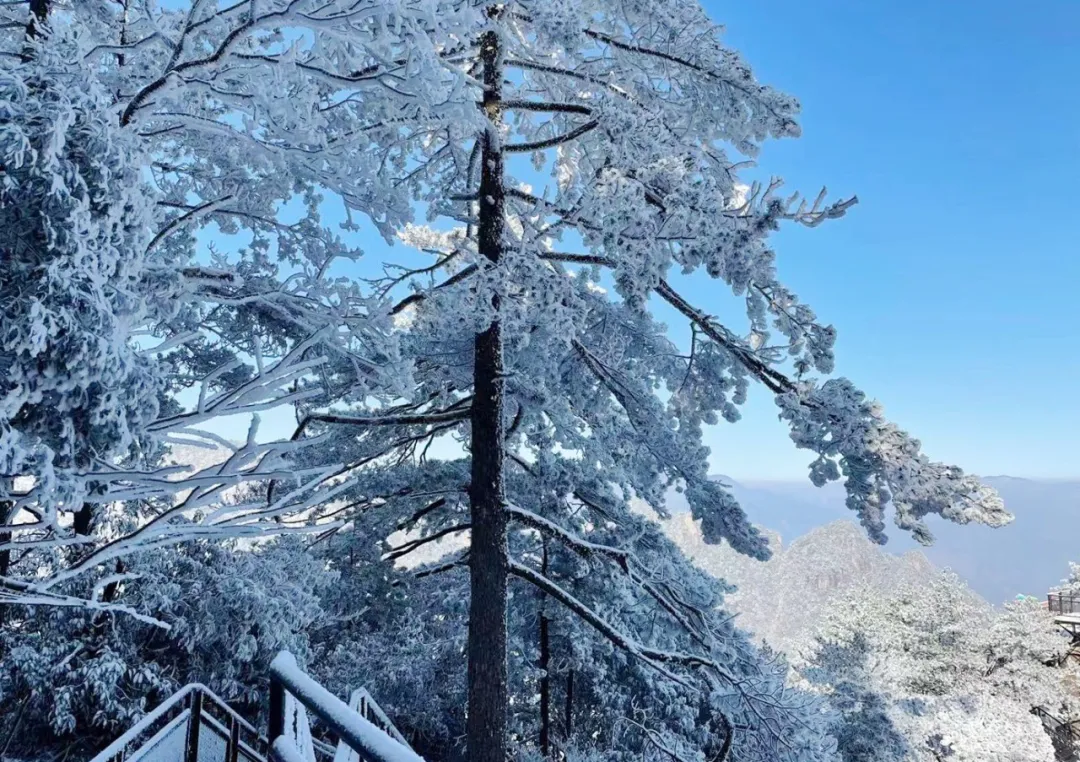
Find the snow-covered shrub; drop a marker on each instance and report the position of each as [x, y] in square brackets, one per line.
[932, 671]
[77, 678]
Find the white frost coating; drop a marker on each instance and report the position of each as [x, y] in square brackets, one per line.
[120, 331]
[167, 745]
[636, 107]
[365, 737]
[298, 728]
[132, 734]
[359, 701]
[212, 744]
[932, 671]
[142, 725]
[282, 750]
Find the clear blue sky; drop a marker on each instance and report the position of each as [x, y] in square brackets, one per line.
[952, 282]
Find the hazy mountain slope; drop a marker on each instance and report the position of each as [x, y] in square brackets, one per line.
[782, 600]
[1028, 556]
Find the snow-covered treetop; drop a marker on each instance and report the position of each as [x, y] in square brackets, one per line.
[631, 110]
[122, 336]
[947, 668]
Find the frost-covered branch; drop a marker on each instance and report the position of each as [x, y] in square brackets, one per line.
[658, 660]
[662, 661]
[421, 419]
[541, 145]
[626, 562]
[406, 548]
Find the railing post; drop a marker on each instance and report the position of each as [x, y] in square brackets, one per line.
[233, 751]
[277, 709]
[194, 726]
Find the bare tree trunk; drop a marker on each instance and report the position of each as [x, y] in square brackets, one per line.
[7, 514]
[545, 665]
[39, 14]
[487, 672]
[7, 510]
[569, 724]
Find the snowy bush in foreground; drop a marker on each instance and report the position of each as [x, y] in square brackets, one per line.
[75, 679]
[932, 672]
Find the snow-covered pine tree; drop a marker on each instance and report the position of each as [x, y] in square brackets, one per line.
[570, 398]
[575, 398]
[120, 333]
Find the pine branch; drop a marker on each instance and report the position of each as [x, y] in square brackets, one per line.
[422, 295]
[655, 659]
[408, 547]
[432, 506]
[445, 416]
[545, 106]
[540, 145]
[776, 381]
[192, 214]
[459, 562]
[624, 559]
[787, 121]
[231, 39]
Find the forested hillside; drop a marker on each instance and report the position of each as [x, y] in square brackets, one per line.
[784, 600]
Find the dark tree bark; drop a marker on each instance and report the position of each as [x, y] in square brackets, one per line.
[39, 14]
[569, 705]
[7, 509]
[488, 563]
[84, 520]
[545, 665]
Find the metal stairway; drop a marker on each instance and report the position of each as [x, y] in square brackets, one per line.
[195, 725]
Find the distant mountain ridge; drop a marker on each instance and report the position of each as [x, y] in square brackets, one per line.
[1029, 556]
[783, 601]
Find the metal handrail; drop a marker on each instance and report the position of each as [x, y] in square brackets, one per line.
[192, 697]
[366, 706]
[1063, 603]
[369, 741]
[1058, 725]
